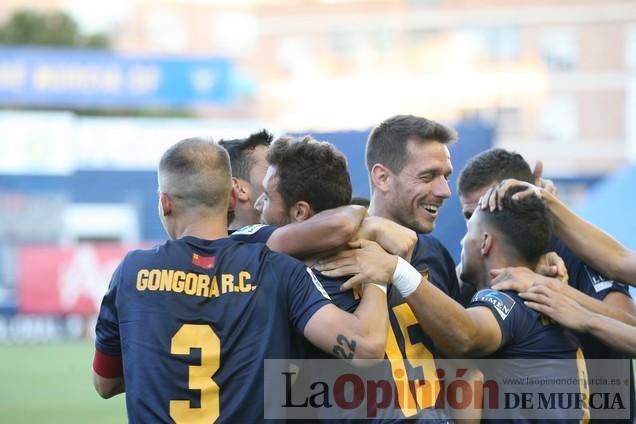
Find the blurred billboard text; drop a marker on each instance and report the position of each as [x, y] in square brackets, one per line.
[79, 78]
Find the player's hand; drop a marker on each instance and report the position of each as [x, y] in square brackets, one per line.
[556, 305]
[365, 260]
[551, 265]
[539, 181]
[518, 279]
[554, 284]
[391, 236]
[521, 279]
[493, 199]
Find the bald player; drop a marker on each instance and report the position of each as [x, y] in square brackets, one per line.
[178, 326]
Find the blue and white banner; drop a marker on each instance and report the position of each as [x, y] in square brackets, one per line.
[90, 78]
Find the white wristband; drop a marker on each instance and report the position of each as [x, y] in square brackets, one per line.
[406, 278]
[380, 286]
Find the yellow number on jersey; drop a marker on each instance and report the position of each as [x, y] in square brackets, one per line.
[199, 376]
[583, 387]
[417, 355]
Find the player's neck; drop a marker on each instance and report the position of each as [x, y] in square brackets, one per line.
[502, 261]
[243, 217]
[376, 208]
[234, 225]
[238, 223]
[205, 228]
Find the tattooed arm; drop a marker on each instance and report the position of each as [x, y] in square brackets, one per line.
[356, 336]
[361, 335]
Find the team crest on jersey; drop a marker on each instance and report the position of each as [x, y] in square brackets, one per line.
[317, 283]
[599, 282]
[426, 274]
[206, 262]
[248, 230]
[501, 301]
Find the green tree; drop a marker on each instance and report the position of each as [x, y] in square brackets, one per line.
[48, 29]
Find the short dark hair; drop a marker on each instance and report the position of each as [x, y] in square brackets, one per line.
[525, 225]
[359, 200]
[240, 151]
[196, 173]
[387, 142]
[312, 171]
[492, 166]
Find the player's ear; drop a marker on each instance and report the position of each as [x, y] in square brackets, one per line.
[165, 204]
[242, 189]
[380, 177]
[300, 212]
[486, 244]
[234, 196]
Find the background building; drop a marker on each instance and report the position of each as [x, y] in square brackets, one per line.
[554, 77]
[83, 123]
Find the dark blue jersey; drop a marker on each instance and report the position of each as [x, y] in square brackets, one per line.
[256, 233]
[193, 321]
[594, 284]
[408, 347]
[429, 257]
[533, 347]
[525, 333]
[584, 278]
[346, 301]
[408, 340]
[433, 261]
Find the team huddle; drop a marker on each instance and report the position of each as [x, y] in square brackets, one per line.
[269, 258]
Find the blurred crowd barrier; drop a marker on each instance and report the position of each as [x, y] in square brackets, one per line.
[52, 292]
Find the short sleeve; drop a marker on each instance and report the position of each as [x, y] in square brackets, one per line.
[256, 233]
[584, 278]
[305, 295]
[107, 328]
[509, 315]
[345, 300]
[596, 285]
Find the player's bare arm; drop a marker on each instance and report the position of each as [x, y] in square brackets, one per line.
[352, 337]
[391, 236]
[108, 387]
[593, 245]
[597, 248]
[457, 331]
[613, 333]
[108, 377]
[325, 231]
[616, 305]
[361, 335]
[571, 314]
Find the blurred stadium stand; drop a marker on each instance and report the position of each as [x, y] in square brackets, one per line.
[609, 203]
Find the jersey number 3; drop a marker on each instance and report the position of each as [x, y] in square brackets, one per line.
[200, 336]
